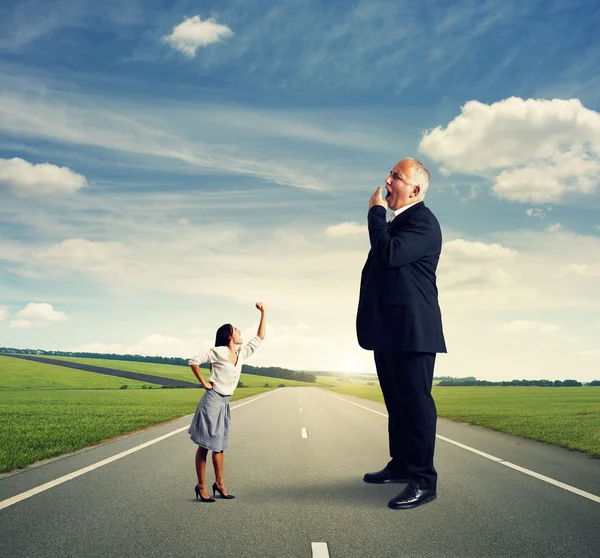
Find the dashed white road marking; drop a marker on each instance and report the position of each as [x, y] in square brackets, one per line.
[498, 460]
[304, 433]
[319, 550]
[46, 486]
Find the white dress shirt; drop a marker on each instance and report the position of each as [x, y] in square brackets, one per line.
[224, 374]
[398, 211]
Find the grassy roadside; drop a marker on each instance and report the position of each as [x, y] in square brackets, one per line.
[567, 417]
[38, 424]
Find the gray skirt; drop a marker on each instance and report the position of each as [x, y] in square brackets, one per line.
[210, 425]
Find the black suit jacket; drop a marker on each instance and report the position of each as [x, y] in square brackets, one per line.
[398, 304]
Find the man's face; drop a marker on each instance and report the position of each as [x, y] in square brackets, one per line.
[398, 186]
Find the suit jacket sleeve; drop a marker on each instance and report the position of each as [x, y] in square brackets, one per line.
[408, 243]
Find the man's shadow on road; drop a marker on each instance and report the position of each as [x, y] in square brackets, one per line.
[350, 492]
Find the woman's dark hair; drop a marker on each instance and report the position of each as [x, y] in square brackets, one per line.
[224, 334]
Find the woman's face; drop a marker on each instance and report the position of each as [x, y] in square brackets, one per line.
[236, 336]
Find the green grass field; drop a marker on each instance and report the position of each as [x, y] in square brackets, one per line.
[24, 374]
[48, 410]
[38, 424]
[567, 417]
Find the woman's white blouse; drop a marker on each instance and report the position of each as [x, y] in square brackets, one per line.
[224, 374]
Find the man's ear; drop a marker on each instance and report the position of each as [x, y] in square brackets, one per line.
[416, 191]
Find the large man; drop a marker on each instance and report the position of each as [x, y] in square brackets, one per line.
[399, 319]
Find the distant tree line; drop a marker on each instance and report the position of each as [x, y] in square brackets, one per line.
[276, 372]
[451, 382]
[272, 372]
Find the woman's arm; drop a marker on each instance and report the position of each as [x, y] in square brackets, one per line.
[196, 370]
[262, 326]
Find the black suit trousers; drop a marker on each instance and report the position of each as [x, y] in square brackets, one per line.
[406, 379]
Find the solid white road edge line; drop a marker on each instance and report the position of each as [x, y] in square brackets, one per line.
[74, 474]
[304, 433]
[319, 550]
[544, 478]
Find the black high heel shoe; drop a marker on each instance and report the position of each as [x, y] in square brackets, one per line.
[217, 489]
[199, 495]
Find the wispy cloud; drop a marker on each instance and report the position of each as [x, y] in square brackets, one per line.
[207, 138]
[590, 353]
[519, 327]
[28, 22]
[540, 212]
[350, 228]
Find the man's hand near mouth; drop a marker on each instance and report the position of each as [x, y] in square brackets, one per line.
[377, 198]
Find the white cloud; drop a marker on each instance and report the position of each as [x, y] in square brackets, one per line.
[103, 348]
[536, 212]
[524, 326]
[478, 274]
[194, 33]
[554, 228]
[593, 352]
[152, 345]
[82, 254]
[37, 314]
[280, 340]
[350, 228]
[25, 178]
[196, 331]
[535, 150]
[468, 249]
[474, 190]
[306, 276]
[582, 270]
[549, 180]
[164, 345]
[3, 312]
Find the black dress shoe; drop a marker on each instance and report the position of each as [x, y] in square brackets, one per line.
[411, 497]
[383, 476]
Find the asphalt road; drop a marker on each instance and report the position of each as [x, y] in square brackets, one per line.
[292, 491]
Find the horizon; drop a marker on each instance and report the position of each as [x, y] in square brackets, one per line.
[165, 166]
[314, 372]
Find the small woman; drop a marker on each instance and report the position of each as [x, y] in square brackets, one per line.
[210, 426]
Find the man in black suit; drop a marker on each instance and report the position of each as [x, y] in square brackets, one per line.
[399, 319]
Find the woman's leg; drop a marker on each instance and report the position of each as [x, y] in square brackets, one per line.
[218, 463]
[201, 454]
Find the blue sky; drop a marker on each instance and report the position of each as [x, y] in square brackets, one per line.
[165, 165]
